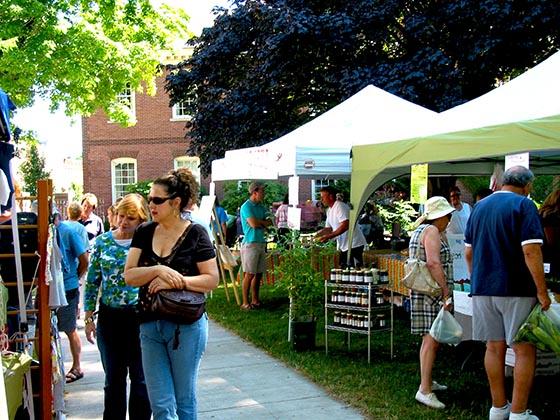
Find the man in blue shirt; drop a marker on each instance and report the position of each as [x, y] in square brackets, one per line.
[74, 246]
[503, 251]
[254, 218]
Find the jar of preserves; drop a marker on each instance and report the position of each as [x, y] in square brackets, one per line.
[346, 275]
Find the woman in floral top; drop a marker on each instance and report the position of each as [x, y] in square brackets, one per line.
[117, 329]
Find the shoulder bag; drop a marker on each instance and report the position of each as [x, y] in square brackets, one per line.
[417, 275]
[175, 305]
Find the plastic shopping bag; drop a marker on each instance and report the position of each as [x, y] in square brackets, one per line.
[540, 328]
[446, 329]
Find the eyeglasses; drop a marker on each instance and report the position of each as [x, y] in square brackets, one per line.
[158, 200]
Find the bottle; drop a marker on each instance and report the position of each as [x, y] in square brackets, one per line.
[364, 300]
[336, 318]
[379, 300]
[345, 275]
[332, 277]
[360, 276]
[352, 275]
[383, 277]
[368, 276]
[381, 321]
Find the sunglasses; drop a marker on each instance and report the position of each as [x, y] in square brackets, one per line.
[158, 200]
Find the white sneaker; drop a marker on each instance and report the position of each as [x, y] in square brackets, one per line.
[526, 415]
[429, 399]
[438, 387]
[500, 413]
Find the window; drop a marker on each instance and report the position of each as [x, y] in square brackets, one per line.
[316, 186]
[128, 99]
[179, 111]
[190, 162]
[123, 173]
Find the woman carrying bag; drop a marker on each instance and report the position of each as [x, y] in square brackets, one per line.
[429, 244]
[170, 256]
[117, 329]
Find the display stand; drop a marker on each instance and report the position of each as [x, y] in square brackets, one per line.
[41, 375]
[226, 261]
[364, 313]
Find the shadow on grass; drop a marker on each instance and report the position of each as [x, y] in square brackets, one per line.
[385, 388]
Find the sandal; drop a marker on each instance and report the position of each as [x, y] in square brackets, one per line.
[247, 307]
[73, 375]
[257, 305]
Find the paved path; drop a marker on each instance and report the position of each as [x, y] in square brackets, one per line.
[236, 381]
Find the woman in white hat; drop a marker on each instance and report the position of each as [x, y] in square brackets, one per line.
[428, 241]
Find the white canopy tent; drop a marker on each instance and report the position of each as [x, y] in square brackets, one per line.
[321, 147]
[522, 115]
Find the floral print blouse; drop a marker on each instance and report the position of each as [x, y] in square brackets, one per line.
[106, 272]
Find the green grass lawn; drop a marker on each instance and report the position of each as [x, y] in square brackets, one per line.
[385, 388]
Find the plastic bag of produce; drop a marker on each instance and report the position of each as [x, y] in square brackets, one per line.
[446, 329]
[541, 329]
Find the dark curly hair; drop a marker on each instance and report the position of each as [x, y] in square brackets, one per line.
[180, 183]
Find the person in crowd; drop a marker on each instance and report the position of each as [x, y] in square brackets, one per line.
[74, 246]
[254, 219]
[91, 221]
[429, 242]
[281, 220]
[550, 219]
[482, 193]
[336, 226]
[222, 216]
[112, 217]
[171, 352]
[117, 330]
[462, 212]
[372, 225]
[503, 253]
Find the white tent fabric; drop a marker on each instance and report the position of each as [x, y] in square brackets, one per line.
[522, 115]
[321, 147]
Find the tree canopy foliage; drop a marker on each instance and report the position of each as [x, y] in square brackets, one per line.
[83, 53]
[33, 167]
[267, 67]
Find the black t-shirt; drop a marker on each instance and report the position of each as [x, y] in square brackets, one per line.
[195, 248]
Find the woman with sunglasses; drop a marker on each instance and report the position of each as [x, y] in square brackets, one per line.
[117, 329]
[171, 352]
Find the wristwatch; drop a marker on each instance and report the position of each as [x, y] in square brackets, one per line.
[89, 320]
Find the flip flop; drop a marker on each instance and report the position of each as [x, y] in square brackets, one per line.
[256, 305]
[73, 375]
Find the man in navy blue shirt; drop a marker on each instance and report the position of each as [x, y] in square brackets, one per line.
[503, 251]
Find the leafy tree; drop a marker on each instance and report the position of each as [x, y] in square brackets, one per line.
[83, 53]
[141, 187]
[235, 194]
[267, 67]
[33, 167]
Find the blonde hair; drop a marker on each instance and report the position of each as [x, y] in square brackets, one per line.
[133, 205]
[90, 198]
[74, 210]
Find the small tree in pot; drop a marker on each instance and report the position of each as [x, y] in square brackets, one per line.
[301, 273]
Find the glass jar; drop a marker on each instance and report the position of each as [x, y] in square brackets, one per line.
[332, 277]
[336, 318]
[375, 275]
[381, 321]
[364, 300]
[360, 276]
[383, 277]
[379, 299]
[352, 275]
[345, 275]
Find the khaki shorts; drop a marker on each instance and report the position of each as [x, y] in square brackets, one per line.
[498, 318]
[253, 258]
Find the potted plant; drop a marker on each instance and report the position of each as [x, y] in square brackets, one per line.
[300, 273]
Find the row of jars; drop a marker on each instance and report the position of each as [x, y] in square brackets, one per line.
[351, 320]
[359, 276]
[345, 297]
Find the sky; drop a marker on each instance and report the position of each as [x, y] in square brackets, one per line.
[61, 136]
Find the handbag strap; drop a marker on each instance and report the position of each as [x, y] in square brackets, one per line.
[167, 260]
[420, 238]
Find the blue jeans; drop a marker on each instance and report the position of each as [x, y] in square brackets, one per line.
[119, 346]
[171, 374]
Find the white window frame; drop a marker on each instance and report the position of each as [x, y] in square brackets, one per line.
[190, 162]
[179, 112]
[114, 165]
[317, 184]
[128, 98]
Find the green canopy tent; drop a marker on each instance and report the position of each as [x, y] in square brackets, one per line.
[520, 116]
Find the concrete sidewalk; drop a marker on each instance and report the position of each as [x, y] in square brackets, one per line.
[236, 380]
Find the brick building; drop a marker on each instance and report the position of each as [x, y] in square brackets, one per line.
[116, 156]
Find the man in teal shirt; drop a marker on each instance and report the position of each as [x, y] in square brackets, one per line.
[254, 219]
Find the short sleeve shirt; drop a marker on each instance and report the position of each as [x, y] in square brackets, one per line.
[251, 209]
[459, 219]
[497, 229]
[337, 214]
[74, 241]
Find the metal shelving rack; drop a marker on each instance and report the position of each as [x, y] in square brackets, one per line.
[368, 310]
